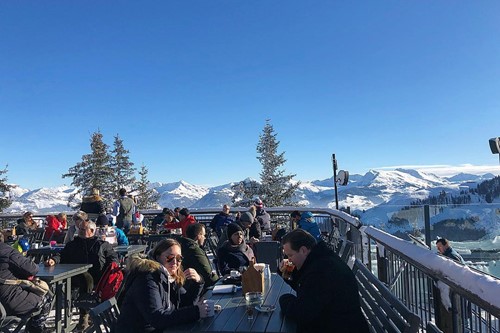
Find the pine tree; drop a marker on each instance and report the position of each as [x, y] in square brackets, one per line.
[245, 192]
[276, 188]
[5, 200]
[94, 171]
[123, 168]
[147, 198]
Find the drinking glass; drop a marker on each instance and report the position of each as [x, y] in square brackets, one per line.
[252, 299]
[287, 270]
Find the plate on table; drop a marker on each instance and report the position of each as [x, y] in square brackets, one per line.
[265, 308]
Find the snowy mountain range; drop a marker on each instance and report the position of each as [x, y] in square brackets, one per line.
[375, 197]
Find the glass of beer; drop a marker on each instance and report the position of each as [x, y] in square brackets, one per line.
[252, 299]
[287, 269]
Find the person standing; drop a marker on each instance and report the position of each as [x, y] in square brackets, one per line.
[262, 216]
[93, 204]
[444, 248]
[327, 298]
[308, 224]
[124, 210]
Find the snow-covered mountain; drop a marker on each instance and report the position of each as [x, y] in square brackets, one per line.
[375, 197]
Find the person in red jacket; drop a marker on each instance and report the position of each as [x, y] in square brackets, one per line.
[186, 219]
[55, 225]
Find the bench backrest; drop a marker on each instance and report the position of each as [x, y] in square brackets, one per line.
[105, 315]
[384, 311]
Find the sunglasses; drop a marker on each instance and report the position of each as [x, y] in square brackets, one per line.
[178, 258]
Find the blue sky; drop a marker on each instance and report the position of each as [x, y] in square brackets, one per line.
[188, 85]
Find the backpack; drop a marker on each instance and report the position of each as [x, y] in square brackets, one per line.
[110, 282]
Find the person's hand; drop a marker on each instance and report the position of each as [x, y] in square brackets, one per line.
[50, 262]
[203, 308]
[253, 240]
[191, 274]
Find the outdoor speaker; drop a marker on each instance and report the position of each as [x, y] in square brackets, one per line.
[495, 145]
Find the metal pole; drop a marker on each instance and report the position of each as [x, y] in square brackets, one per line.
[427, 224]
[334, 161]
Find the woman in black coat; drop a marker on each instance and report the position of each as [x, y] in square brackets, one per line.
[15, 299]
[158, 294]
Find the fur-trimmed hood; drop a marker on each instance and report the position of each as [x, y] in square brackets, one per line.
[141, 263]
[92, 198]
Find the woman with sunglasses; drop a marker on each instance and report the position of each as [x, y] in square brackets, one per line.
[158, 293]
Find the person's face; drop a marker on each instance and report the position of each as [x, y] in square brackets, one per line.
[169, 218]
[28, 218]
[171, 259]
[296, 257]
[237, 238]
[441, 248]
[225, 209]
[201, 237]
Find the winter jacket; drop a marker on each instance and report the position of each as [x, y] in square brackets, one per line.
[121, 238]
[182, 224]
[91, 250]
[195, 257]
[452, 254]
[264, 219]
[22, 228]
[220, 221]
[310, 227]
[53, 228]
[92, 205]
[327, 295]
[151, 302]
[231, 257]
[253, 231]
[13, 265]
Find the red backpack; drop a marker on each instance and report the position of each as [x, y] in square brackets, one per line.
[110, 282]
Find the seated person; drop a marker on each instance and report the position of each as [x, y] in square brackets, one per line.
[308, 224]
[250, 227]
[16, 300]
[86, 249]
[55, 225]
[157, 293]
[194, 255]
[26, 225]
[75, 221]
[235, 252]
[327, 298]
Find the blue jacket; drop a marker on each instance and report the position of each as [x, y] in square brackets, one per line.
[220, 221]
[121, 238]
[310, 227]
[452, 254]
[151, 303]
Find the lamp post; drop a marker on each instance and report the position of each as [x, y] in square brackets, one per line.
[342, 178]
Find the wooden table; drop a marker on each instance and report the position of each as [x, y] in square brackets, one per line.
[233, 317]
[59, 278]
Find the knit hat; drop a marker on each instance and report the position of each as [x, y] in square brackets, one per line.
[232, 228]
[102, 220]
[258, 203]
[246, 217]
[306, 215]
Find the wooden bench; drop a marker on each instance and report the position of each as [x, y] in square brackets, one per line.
[384, 311]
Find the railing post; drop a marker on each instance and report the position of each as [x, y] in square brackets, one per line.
[444, 318]
[382, 267]
[427, 224]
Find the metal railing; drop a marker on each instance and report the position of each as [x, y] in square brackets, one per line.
[430, 292]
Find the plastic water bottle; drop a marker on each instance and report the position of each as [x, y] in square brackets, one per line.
[267, 272]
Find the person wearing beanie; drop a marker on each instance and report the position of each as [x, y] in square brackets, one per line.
[234, 252]
[250, 227]
[308, 224]
[262, 217]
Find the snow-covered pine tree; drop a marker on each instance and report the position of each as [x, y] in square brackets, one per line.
[276, 188]
[94, 171]
[245, 192]
[5, 201]
[147, 198]
[123, 168]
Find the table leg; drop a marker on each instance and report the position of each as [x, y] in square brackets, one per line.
[59, 306]
[68, 307]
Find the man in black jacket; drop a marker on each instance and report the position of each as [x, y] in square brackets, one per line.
[86, 248]
[327, 293]
[194, 255]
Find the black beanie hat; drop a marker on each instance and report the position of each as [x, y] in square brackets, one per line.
[232, 228]
[102, 220]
